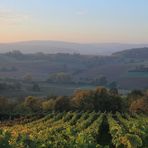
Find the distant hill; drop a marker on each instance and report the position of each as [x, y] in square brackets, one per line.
[128, 68]
[136, 53]
[53, 47]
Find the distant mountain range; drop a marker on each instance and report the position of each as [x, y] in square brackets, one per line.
[67, 47]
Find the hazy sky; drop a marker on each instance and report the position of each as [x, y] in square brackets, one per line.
[124, 21]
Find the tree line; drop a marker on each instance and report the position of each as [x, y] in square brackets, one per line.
[99, 99]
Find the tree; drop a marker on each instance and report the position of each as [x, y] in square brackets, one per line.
[113, 91]
[22, 108]
[134, 95]
[62, 103]
[101, 90]
[48, 105]
[99, 100]
[33, 103]
[60, 77]
[83, 100]
[140, 105]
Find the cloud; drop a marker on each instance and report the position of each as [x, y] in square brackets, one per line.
[12, 17]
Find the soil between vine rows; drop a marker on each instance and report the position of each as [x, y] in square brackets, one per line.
[104, 137]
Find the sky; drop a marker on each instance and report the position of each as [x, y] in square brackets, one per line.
[86, 21]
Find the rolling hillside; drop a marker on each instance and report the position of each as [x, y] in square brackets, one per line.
[139, 53]
[127, 68]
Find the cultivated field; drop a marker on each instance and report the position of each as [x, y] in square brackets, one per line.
[75, 130]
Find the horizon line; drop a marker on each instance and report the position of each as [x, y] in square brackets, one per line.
[71, 42]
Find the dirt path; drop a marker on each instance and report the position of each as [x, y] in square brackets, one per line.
[104, 137]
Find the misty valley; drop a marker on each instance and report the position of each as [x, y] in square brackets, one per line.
[60, 74]
[73, 74]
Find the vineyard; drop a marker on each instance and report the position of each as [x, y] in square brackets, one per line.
[76, 130]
